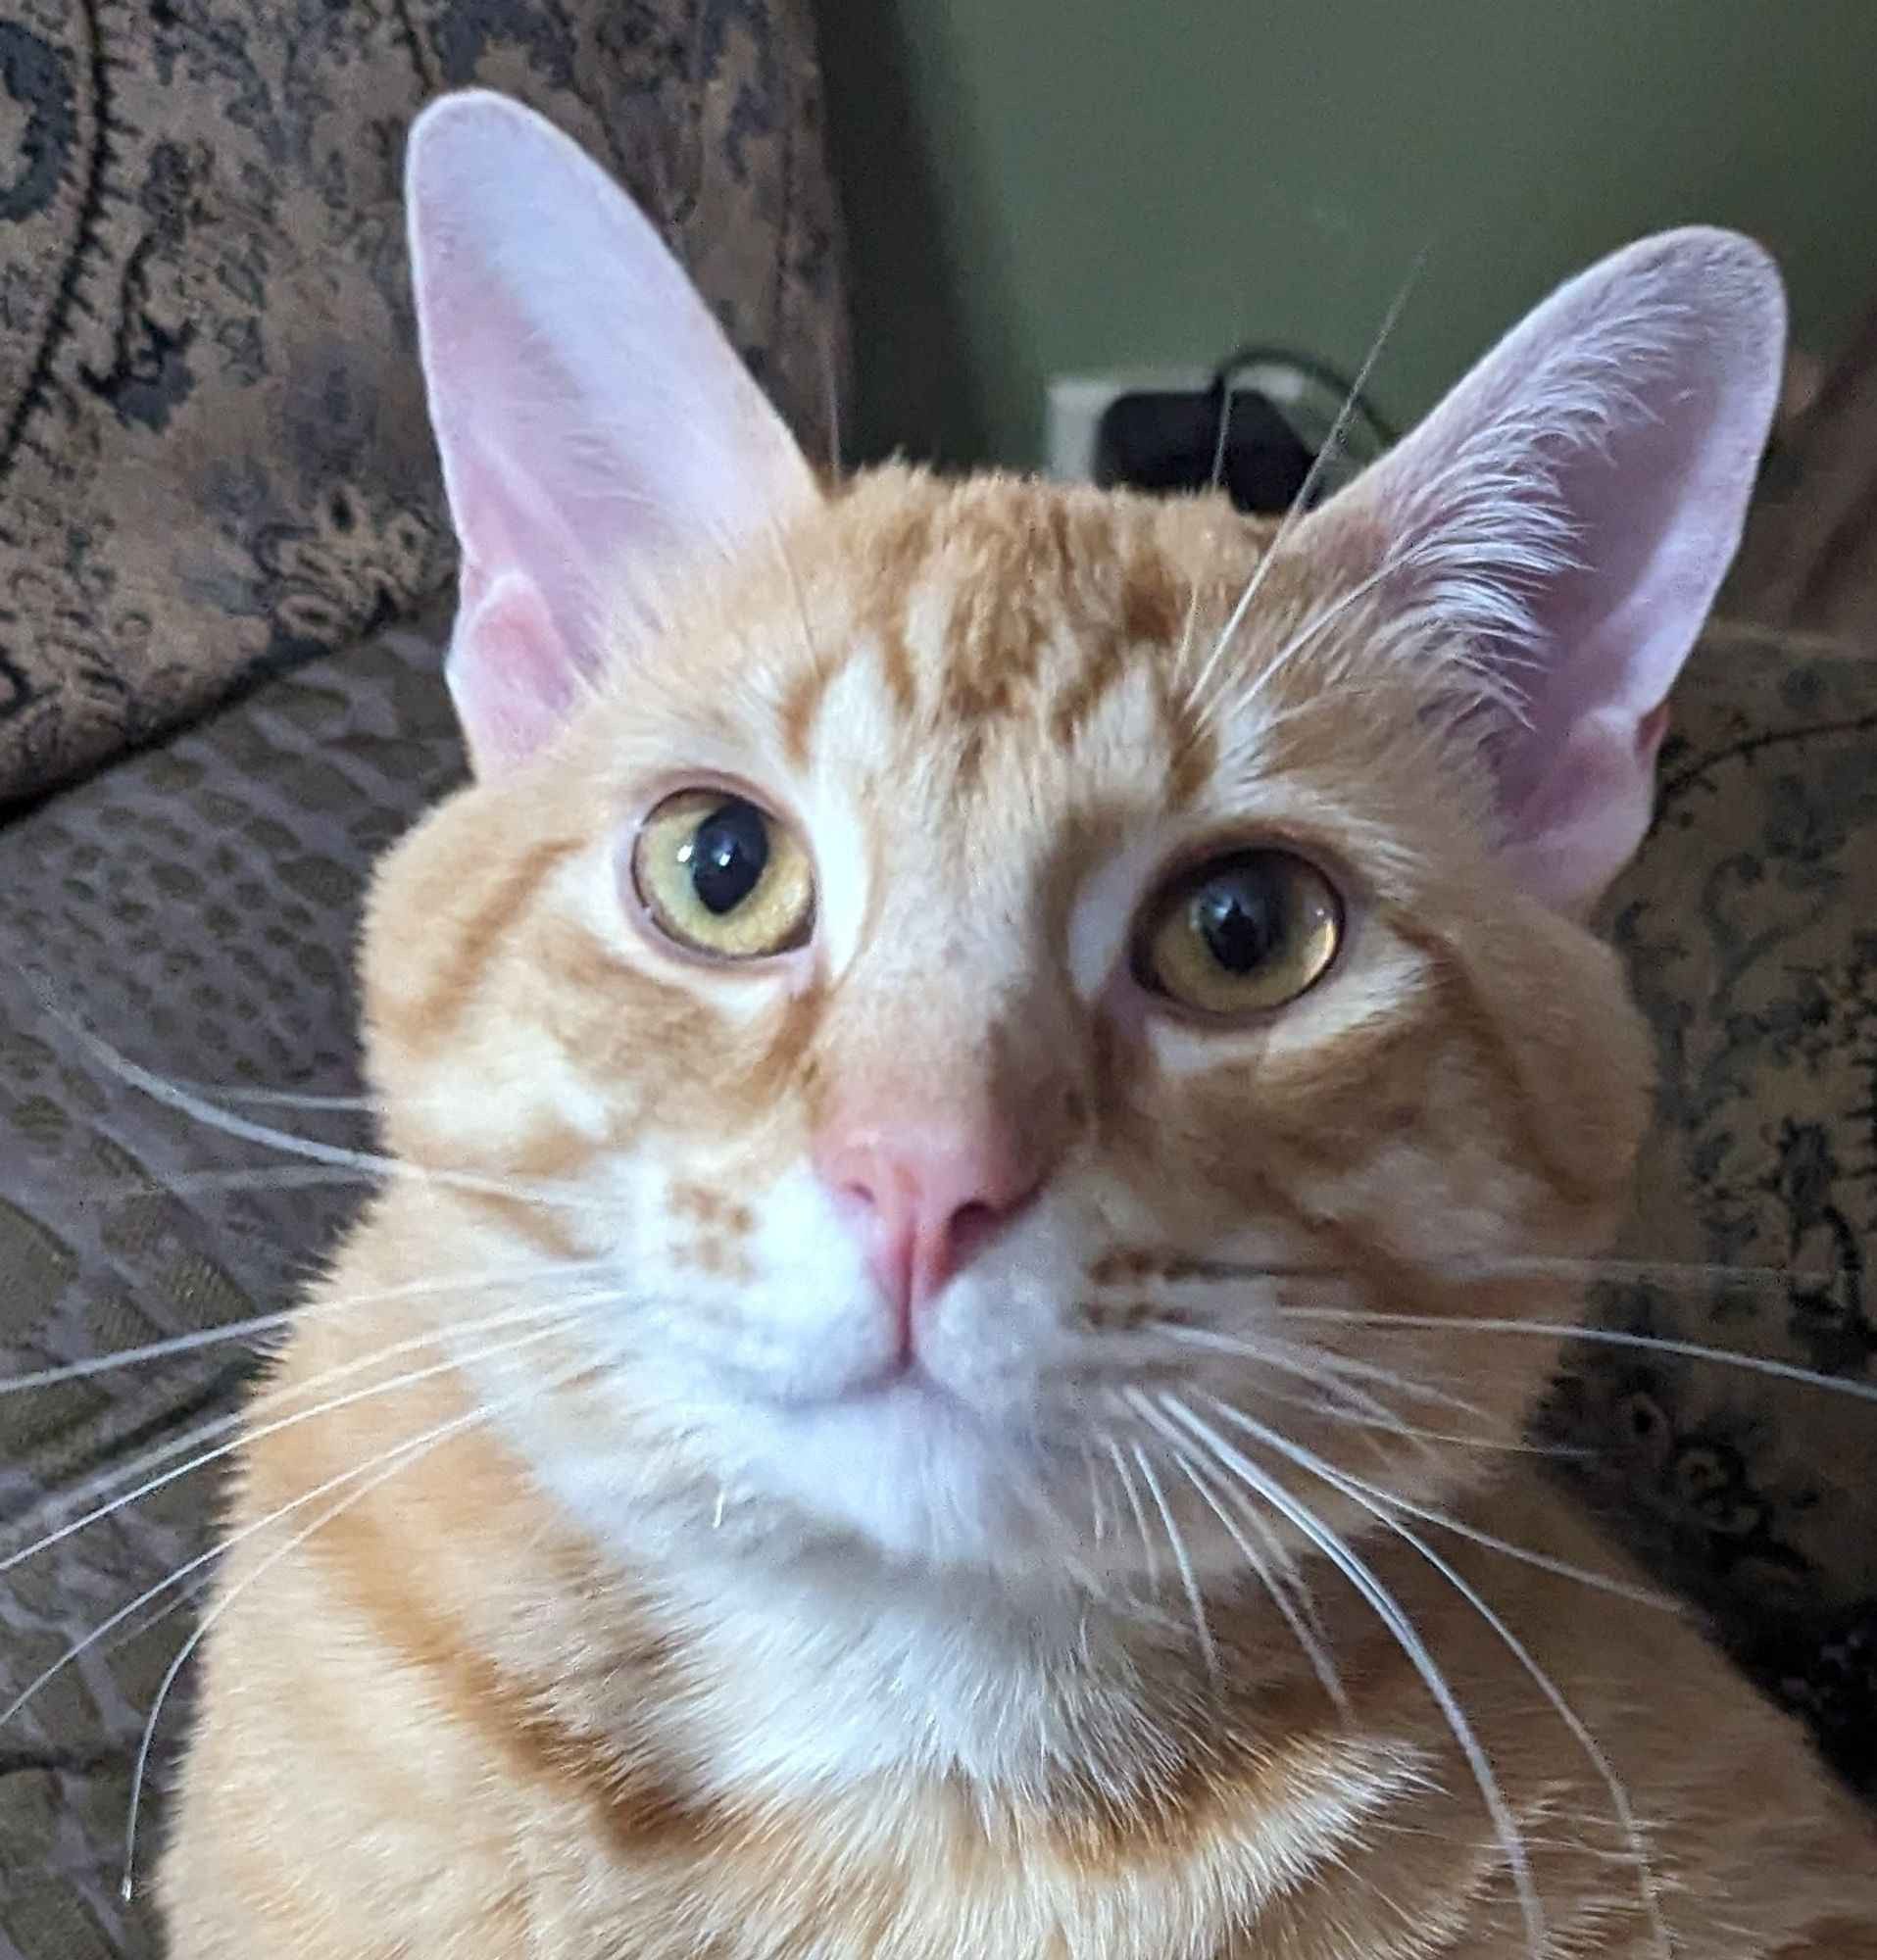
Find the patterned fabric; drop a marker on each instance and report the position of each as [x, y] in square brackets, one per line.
[213, 459]
[1808, 565]
[197, 907]
[1748, 923]
[1749, 930]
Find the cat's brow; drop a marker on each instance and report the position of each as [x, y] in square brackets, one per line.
[996, 620]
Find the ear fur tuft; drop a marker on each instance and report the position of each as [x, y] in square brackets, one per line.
[1562, 520]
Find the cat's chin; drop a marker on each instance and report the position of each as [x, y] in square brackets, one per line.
[908, 1392]
[906, 1465]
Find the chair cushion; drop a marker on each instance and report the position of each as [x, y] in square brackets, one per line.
[1748, 929]
[197, 906]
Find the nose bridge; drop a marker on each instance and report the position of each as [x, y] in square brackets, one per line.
[946, 1084]
[952, 1034]
[944, 1109]
[945, 1017]
[954, 1001]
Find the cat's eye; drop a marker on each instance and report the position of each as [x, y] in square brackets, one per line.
[720, 875]
[1240, 934]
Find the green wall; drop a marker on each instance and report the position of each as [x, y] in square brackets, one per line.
[1031, 189]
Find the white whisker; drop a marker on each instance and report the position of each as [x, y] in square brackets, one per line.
[1309, 1462]
[199, 1183]
[81, 1647]
[280, 1099]
[1227, 396]
[1299, 504]
[1354, 1409]
[1320, 622]
[1407, 1431]
[274, 1322]
[1056, 1529]
[1569, 1331]
[1097, 1505]
[1140, 1515]
[374, 1164]
[1313, 1639]
[1315, 1364]
[1389, 1611]
[809, 645]
[836, 468]
[1508, 1266]
[248, 1431]
[381, 1469]
[1181, 1558]
[1602, 1582]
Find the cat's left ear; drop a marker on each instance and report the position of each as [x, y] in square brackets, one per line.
[1563, 522]
[594, 423]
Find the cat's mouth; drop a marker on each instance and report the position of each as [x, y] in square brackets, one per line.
[905, 1383]
[905, 1409]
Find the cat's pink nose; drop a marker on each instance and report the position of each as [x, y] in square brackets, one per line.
[925, 1196]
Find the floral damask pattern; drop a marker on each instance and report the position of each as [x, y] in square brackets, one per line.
[1749, 927]
[214, 458]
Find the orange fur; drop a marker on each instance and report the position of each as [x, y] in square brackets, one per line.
[453, 1721]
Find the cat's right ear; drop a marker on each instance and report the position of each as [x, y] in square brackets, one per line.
[592, 419]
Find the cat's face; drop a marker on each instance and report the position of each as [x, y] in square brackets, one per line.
[997, 1005]
[1046, 974]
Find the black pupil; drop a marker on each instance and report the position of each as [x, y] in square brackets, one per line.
[1239, 912]
[728, 853]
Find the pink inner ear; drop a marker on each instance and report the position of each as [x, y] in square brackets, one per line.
[1563, 520]
[1650, 732]
[1593, 811]
[510, 673]
[592, 419]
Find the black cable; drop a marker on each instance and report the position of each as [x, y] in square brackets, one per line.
[1340, 385]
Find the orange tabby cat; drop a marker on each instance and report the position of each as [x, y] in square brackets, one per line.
[988, 1076]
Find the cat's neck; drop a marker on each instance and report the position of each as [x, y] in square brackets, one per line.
[813, 1674]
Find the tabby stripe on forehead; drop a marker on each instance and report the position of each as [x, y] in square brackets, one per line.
[802, 705]
[1102, 672]
[896, 664]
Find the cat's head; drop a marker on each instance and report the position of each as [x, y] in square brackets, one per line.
[1033, 992]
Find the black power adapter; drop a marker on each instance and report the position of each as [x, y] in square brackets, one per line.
[1268, 420]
